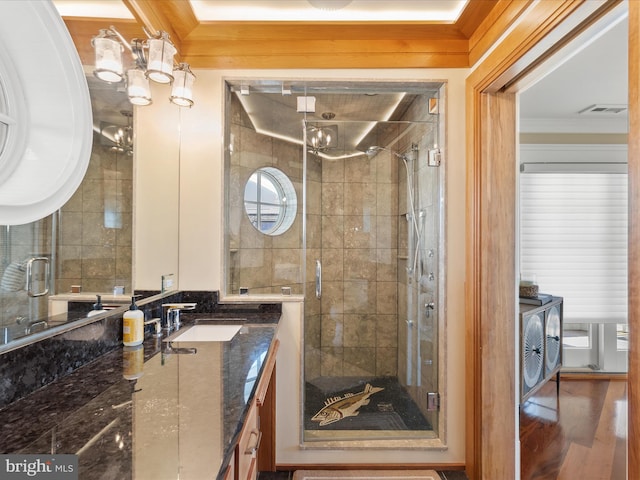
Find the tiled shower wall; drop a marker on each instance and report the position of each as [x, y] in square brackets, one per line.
[95, 226]
[352, 329]
[259, 262]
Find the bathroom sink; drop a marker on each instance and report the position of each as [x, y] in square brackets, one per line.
[207, 333]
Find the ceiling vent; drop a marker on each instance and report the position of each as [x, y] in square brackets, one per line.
[603, 109]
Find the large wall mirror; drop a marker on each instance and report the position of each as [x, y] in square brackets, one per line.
[87, 246]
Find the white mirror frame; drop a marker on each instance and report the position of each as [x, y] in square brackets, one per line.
[47, 112]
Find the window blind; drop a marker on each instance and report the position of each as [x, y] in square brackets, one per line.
[573, 237]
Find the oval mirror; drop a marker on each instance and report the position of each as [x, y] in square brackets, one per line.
[270, 201]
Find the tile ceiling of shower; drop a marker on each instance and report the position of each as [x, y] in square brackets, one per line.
[276, 115]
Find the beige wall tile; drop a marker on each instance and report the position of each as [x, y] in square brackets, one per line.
[333, 199]
[386, 298]
[360, 264]
[359, 198]
[71, 228]
[386, 362]
[359, 296]
[332, 264]
[359, 361]
[286, 266]
[360, 231]
[94, 231]
[359, 169]
[93, 194]
[332, 172]
[387, 199]
[332, 330]
[331, 359]
[332, 300]
[98, 262]
[386, 331]
[312, 362]
[332, 231]
[359, 330]
[387, 265]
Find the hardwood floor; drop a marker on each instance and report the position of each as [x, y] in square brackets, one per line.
[582, 434]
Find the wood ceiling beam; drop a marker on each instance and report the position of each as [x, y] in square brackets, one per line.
[149, 14]
[473, 15]
[330, 60]
[312, 53]
[325, 45]
[493, 24]
[303, 31]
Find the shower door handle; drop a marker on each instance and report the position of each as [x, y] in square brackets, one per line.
[30, 263]
[318, 279]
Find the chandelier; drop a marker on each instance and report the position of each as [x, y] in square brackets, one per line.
[320, 139]
[153, 61]
[119, 138]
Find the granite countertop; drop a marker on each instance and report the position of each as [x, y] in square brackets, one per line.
[177, 414]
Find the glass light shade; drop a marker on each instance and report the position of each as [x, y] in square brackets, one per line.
[160, 64]
[322, 138]
[138, 89]
[182, 90]
[108, 59]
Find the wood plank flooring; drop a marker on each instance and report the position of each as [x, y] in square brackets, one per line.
[582, 434]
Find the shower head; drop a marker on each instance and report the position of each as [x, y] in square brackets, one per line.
[373, 150]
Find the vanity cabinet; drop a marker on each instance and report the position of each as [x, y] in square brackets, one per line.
[230, 473]
[247, 449]
[255, 450]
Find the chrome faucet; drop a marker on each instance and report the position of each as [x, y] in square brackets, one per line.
[172, 316]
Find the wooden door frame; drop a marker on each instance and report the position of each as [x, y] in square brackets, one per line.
[490, 290]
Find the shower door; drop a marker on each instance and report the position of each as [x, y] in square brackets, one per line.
[371, 302]
[25, 277]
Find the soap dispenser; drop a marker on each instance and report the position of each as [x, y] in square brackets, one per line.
[133, 325]
[97, 307]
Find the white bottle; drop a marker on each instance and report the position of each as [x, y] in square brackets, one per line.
[133, 325]
[97, 307]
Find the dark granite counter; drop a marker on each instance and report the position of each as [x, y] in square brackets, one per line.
[161, 411]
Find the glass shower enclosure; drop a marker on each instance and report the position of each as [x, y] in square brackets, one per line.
[355, 168]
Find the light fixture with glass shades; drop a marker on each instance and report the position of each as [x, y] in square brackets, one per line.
[322, 138]
[156, 64]
[182, 90]
[119, 138]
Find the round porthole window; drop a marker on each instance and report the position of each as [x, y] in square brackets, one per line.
[270, 201]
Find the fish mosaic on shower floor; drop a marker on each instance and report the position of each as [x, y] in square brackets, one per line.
[348, 403]
[337, 408]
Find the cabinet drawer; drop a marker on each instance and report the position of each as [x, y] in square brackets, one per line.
[231, 469]
[248, 446]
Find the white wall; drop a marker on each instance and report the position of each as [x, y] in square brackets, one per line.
[156, 187]
[201, 258]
